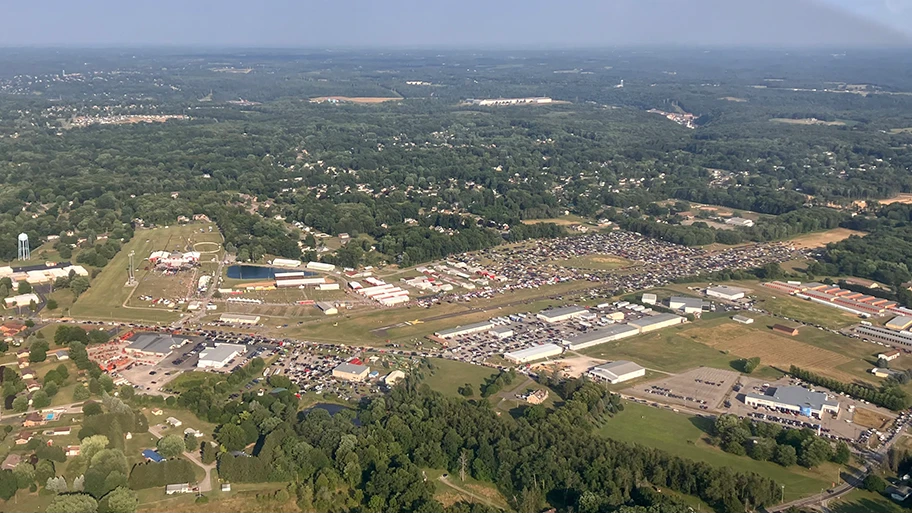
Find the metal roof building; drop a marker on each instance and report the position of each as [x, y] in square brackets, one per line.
[655, 322]
[351, 372]
[531, 354]
[155, 344]
[618, 372]
[233, 318]
[686, 304]
[561, 314]
[879, 334]
[725, 292]
[465, 330]
[900, 322]
[219, 356]
[795, 399]
[600, 336]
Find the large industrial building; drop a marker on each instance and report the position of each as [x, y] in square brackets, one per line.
[351, 372]
[320, 266]
[327, 308]
[561, 314]
[656, 322]
[219, 356]
[617, 372]
[879, 334]
[534, 353]
[688, 305]
[725, 292]
[233, 318]
[794, 399]
[468, 329]
[153, 345]
[600, 336]
[285, 262]
[900, 322]
[21, 300]
[501, 332]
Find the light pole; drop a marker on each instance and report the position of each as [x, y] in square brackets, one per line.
[783, 493]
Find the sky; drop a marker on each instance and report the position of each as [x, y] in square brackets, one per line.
[460, 23]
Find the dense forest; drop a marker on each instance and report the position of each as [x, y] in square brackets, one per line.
[427, 175]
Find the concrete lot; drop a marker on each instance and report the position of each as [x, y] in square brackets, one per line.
[702, 388]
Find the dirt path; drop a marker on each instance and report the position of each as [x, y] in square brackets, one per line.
[463, 491]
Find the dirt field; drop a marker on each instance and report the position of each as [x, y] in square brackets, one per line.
[871, 419]
[356, 99]
[807, 121]
[820, 239]
[773, 349]
[573, 367]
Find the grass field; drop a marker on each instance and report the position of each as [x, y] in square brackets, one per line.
[651, 427]
[108, 296]
[861, 501]
[820, 239]
[448, 490]
[596, 262]
[450, 375]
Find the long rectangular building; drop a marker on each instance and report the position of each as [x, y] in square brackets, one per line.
[617, 372]
[879, 334]
[531, 354]
[458, 331]
[656, 322]
[561, 314]
[600, 336]
[795, 399]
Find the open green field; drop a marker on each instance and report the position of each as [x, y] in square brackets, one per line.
[595, 262]
[861, 501]
[652, 427]
[450, 375]
[110, 298]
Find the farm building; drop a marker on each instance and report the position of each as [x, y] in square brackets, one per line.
[459, 331]
[21, 300]
[617, 372]
[219, 356]
[600, 336]
[328, 286]
[900, 322]
[795, 399]
[785, 330]
[501, 332]
[320, 266]
[561, 314]
[656, 322]
[742, 319]
[285, 262]
[688, 305]
[725, 292]
[650, 299]
[154, 344]
[394, 377]
[232, 318]
[889, 355]
[351, 372]
[534, 353]
[879, 334]
[881, 372]
[327, 308]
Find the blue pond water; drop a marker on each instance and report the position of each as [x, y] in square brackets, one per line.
[255, 272]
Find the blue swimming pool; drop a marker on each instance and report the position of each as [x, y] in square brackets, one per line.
[256, 272]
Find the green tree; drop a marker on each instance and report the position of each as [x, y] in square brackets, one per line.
[92, 445]
[208, 453]
[25, 474]
[51, 304]
[79, 285]
[785, 455]
[73, 503]
[467, 390]
[24, 287]
[40, 400]
[874, 483]
[119, 500]
[232, 437]
[171, 446]
[38, 351]
[81, 393]
[20, 403]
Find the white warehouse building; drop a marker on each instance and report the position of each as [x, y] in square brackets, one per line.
[725, 292]
[656, 322]
[617, 372]
[468, 329]
[534, 353]
[561, 314]
[600, 336]
[219, 356]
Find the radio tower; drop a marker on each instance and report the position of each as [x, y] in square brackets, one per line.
[24, 252]
[131, 278]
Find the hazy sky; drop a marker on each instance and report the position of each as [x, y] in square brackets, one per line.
[472, 23]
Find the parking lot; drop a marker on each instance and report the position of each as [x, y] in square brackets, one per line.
[703, 388]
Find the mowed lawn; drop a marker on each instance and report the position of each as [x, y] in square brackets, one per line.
[683, 435]
[861, 501]
[450, 375]
[106, 297]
